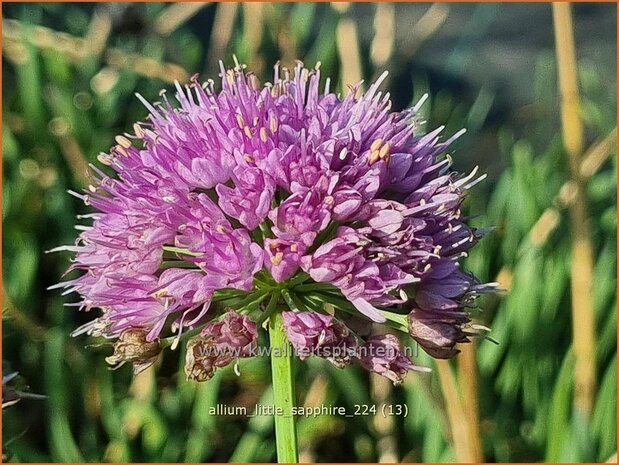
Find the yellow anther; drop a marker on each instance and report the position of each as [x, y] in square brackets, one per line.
[247, 131]
[248, 158]
[161, 293]
[294, 247]
[120, 149]
[384, 152]
[240, 120]
[374, 156]
[273, 125]
[138, 131]
[263, 134]
[123, 141]
[277, 258]
[253, 81]
[377, 144]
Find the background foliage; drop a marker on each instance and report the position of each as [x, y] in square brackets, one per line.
[69, 75]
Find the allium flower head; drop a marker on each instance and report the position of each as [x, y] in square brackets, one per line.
[254, 197]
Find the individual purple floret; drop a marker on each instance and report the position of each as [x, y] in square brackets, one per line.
[283, 258]
[383, 355]
[250, 200]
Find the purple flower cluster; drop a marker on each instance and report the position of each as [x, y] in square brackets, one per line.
[269, 183]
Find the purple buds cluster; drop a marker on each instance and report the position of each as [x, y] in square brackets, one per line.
[255, 197]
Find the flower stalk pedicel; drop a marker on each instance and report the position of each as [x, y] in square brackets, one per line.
[283, 391]
[284, 204]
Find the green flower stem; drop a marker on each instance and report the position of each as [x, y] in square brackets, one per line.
[270, 308]
[395, 320]
[300, 278]
[289, 301]
[313, 287]
[283, 391]
[181, 251]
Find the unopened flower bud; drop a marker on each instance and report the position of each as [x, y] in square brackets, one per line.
[437, 335]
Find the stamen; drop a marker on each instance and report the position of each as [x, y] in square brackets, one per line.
[123, 141]
[384, 152]
[277, 258]
[240, 120]
[105, 158]
[376, 145]
[139, 132]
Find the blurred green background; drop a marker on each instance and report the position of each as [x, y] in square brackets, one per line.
[69, 75]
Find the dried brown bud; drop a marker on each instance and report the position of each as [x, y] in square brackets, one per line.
[133, 347]
[199, 360]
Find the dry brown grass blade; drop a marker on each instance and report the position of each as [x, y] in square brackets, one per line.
[427, 25]
[383, 43]
[583, 317]
[223, 28]
[458, 421]
[253, 25]
[592, 161]
[78, 49]
[99, 31]
[176, 15]
[467, 377]
[595, 157]
[347, 40]
[386, 445]
[315, 397]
